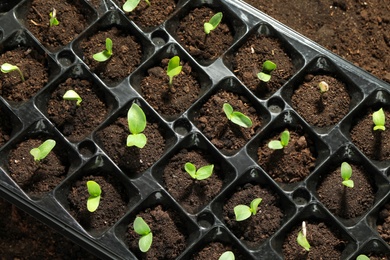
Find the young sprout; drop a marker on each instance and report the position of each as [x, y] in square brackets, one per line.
[72, 95]
[236, 117]
[243, 212]
[7, 68]
[213, 23]
[301, 239]
[173, 69]
[265, 74]
[53, 18]
[94, 191]
[346, 173]
[106, 54]
[228, 255]
[323, 86]
[200, 174]
[136, 120]
[362, 257]
[284, 139]
[43, 150]
[130, 5]
[379, 119]
[142, 229]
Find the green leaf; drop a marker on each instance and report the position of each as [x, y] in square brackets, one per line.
[138, 140]
[145, 242]
[6, 68]
[204, 172]
[264, 77]
[72, 95]
[285, 138]
[140, 226]
[240, 119]
[302, 241]
[174, 68]
[190, 169]
[109, 46]
[346, 171]
[254, 205]
[348, 183]
[362, 257]
[228, 109]
[268, 66]
[275, 145]
[94, 189]
[106, 54]
[93, 203]
[208, 27]
[213, 23]
[242, 212]
[43, 150]
[136, 119]
[228, 255]
[130, 5]
[379, 119]
[53, 18]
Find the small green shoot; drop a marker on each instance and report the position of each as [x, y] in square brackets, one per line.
[130, 5]
[53, 18]
[173, 69]
[265, 74]
[323, 86]
[213, 23]
[94, 191]
[236, 117]
[362, 257]
[346, 173]
[7, 68]
[243, 212]
[72, 95]
[379, 119]
[136, 120]
[142, 229]
[200, 174]
[301, 239]
[284, 139]
[43, 150]
[228, 255]
[106, 54]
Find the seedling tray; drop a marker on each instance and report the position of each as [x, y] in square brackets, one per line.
[298, 200]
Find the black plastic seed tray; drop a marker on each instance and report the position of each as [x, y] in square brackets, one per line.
[87, 156]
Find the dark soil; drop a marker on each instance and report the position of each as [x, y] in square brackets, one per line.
[249, 59]
[5, 128]
[343, 201]
[170, 101]
[256, 229]
[23, 237]
[325, 244]
[148, 17]
[34, 70]
[121, 64]
[321, 109]
[169, 241]
[383, 222]
[225, 135]
[76, 122]
[113, 202]
[192, 194]
[37, 178]
[292, 163]
[355, 30]
[214, 250]
[132, 160]
[70, 14]
[374, 144]
[191, 35]
[95, 3]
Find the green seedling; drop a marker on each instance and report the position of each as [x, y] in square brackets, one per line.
[200, 174]
[284, 139]
[228, 255]
[72, 95]
[106, 54]
[43, 150]
[323, 86]
[236, 117]
[346, 173]
[142, 229]
[362, 257]
[7, 68]
[265, 74]
[136, 120]
[243, 212]
[302, 239]
[93, 200]
[379, 119]
[213, 23]
[130, 5]
[173, 69]
[53, 18]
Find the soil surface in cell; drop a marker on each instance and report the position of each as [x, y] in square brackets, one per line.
[214, 250]
[5, 127]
